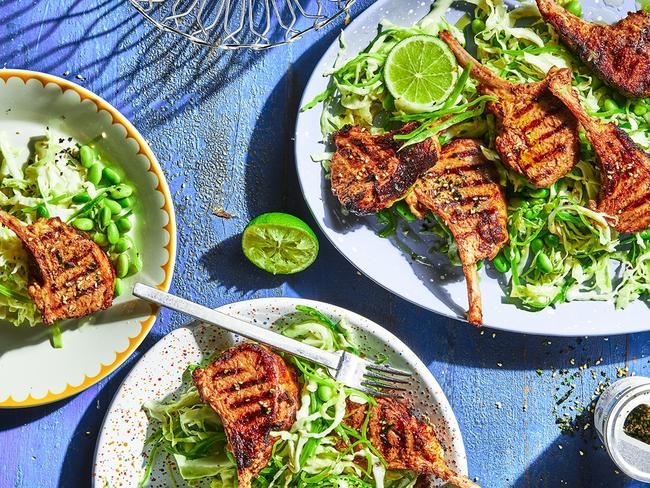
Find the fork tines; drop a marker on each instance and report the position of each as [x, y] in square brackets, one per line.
[380, 380]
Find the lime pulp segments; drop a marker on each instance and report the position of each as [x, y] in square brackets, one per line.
[419, 72]
[279, 243]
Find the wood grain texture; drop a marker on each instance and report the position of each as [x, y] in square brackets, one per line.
[222, 127]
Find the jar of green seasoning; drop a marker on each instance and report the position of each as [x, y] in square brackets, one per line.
[622, 420]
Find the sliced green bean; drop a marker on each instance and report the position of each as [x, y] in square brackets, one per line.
[83, 223]
[118, 288]
[551, 240]
[82, 197]
[136, 261]
[610, 105]
[124, 225]
[540, 193]
[123, 244]
[113, 206]
[537, 245]
[87, 156]
[111, 176]
[105, 217]
[122, 265]
[325, 392]
[42, 212]
[112, 234]
[478, 26]
[95, 173]
[122, 191]
[531, 213]
[501, 264]
[574, 7]
[126, 202]
[544, 263]
[100, 239]
[404, 211]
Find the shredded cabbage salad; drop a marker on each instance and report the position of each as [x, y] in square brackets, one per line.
[308, 455]
[44, 180]
[588, 259]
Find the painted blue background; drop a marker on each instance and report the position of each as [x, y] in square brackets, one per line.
[221, 124]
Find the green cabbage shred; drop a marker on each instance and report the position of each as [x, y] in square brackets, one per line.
[589, 259]
[307, 455]
[50, 177]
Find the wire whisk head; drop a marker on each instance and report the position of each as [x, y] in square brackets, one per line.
[234, 24]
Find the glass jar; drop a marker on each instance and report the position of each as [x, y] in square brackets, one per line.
[631, 455]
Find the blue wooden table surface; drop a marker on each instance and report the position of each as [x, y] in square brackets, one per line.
[221, 124]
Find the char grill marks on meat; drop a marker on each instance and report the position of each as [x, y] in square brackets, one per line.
[624, 168]
[536, 136]
[619, 53]
[369, 172]
[254, 392]
[463, 190]
[403, 440]
[72, 276]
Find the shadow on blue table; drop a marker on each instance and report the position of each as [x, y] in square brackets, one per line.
[12, 419]
[81, 449]
[175, 74]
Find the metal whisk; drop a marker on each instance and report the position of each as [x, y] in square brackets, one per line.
[234, 24]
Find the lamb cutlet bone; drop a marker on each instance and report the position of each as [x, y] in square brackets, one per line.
[537, 136]
[624, 167]
[463, 190]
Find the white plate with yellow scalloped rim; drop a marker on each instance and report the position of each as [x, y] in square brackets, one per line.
[32, 103]
[120, 456]
[437, 286]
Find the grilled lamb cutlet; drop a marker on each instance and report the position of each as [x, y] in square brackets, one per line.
[72, 278]
[254, 392]
[619, 53]
[624, 167]
[462, 189]
[369, 172]
[537, 136]
[403, 440]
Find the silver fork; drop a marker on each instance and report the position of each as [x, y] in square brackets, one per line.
[349, 369]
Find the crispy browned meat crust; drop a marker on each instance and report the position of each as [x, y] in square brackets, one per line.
[403, 440]
[369, 173]
[619, 53]
[463, 190]
[536, 136]
[624, 168]
[254, 392]
[72, 278]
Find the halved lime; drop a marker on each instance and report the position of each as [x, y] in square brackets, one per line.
[279, 243]
[420, 71]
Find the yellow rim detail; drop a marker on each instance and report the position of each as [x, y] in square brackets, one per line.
[170, 227]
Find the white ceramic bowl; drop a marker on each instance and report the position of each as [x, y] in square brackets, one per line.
[439, 287]
[120, 455]
[32, 372]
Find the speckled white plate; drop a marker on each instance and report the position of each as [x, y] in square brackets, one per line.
[32, 372]
[438, 286]
[119, 458]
